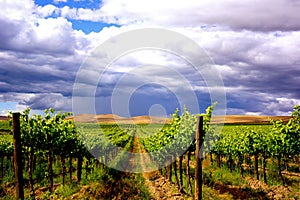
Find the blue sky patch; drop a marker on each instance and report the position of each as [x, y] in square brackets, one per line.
[92, 4]
[89, 26]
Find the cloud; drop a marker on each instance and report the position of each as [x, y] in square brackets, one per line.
[249, 14]
[39, 56]
[12, 108]
[48, 100]
[262, 62]
[8, 33]
[16, 10]
[47, 10]
[52, 36]
[58, 1]
[282, 106]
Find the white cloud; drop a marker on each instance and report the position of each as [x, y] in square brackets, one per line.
[68, 12]
[58, 1]
[249, 14]
[253, 113]
[282, 106]
[16, 10]
[47, 10]
[41, 101]
[17, 108]
[20, 108]
[54, 34]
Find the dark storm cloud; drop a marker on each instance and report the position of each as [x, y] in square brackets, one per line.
[257, 69]
[246, 102]
[265, 79]
[140, 104]
[22, 74]
[253, 89]
[42, 101]
[9, 30]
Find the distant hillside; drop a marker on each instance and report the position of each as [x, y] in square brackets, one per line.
[247, 119]
[112, 119]
[229, 119]
[105, 118]
[150, 119]
[3, 118]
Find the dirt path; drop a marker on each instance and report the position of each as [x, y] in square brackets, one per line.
[159, 186]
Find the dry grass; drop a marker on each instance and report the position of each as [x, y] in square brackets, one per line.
[229, 119]
[247, 119]
[112, 119]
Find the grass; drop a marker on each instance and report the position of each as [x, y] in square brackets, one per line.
[5, 126]
[103, 183]
[226, 177]
[212, 194]
[220, 183]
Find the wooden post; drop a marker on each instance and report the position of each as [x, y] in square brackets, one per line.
[18, 156]
[198, 175]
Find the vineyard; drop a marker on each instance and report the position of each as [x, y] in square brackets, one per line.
[65, 160]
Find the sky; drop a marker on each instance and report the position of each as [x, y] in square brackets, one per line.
[254, 46]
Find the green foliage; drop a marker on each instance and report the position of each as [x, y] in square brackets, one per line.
[285, 138]
[5, 126]
[277, 140]
[6, 139]
[240, 140]
[296, 112]
[50, 133]
[108, 143]
[6, 145]
[266, 141]
[174, 140]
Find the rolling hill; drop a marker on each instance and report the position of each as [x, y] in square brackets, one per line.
[112, 118]
[229, 119]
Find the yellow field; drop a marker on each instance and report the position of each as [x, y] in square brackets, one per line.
[229, 119]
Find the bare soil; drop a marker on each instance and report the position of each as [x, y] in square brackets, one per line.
[159, 187]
